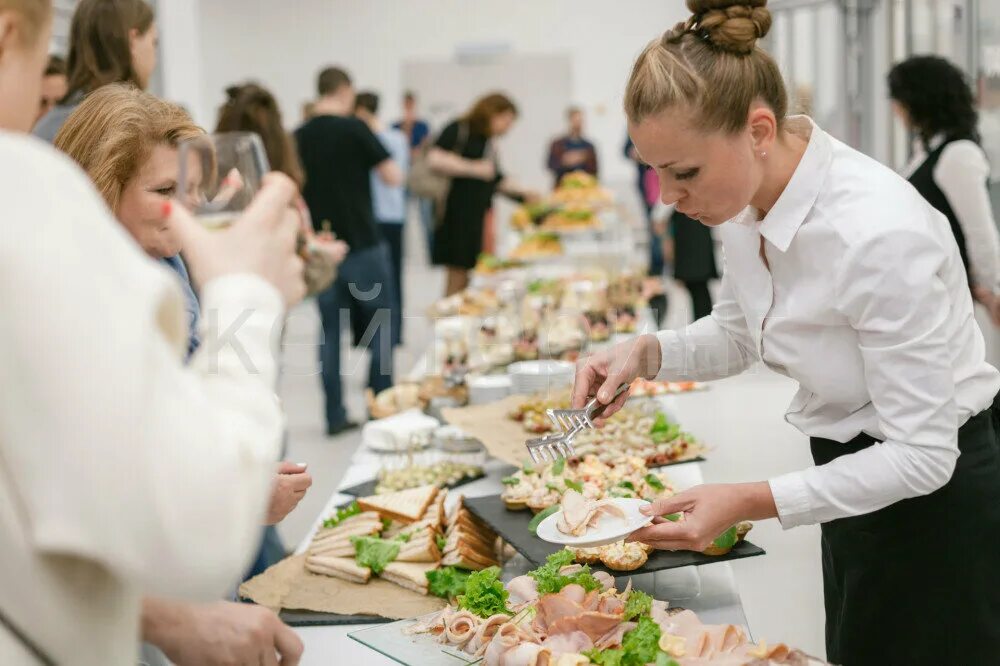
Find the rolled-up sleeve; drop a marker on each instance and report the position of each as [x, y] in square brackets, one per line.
[899, 309]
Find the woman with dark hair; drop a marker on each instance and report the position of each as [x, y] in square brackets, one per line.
[949, 168]
[252, 108]
[465, 152]
[110, 41]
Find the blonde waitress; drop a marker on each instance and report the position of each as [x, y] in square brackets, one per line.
[840, 276]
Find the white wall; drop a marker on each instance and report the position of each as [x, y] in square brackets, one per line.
[283, 44]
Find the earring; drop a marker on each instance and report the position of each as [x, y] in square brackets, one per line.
[763, 154]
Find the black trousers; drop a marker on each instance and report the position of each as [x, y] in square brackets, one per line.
[918, 582]
[701, 299]
[393, 233]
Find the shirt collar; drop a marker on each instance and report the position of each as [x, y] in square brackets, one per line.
[782, 222]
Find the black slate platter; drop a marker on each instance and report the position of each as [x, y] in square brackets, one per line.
[678, 462]
[303, 618]
[513, 527]
[367, 488]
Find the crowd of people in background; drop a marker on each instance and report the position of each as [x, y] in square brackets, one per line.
[345, 173]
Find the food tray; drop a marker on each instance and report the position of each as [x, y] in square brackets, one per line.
[304, 618]
[513, 527]
[367, 488]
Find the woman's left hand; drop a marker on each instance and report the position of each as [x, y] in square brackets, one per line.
[709, 510]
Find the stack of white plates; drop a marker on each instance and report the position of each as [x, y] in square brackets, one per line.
[401, 432]
[540, 376]
[484, 389]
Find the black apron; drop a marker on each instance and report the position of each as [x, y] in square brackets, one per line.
[918, 582]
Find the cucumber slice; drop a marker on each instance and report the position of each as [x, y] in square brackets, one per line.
[539, 517]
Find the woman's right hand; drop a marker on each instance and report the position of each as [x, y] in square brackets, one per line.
[602, 373]
[262, 241]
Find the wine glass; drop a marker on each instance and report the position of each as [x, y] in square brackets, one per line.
[219, 175]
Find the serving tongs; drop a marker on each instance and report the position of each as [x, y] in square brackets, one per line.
[569, 422]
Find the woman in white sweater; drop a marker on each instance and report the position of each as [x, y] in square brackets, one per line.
[122, 472]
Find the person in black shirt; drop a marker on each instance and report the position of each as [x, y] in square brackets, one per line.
[465, 151]
[338, 153]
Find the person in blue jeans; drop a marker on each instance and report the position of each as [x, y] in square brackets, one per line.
[389, 201]
[338, 153]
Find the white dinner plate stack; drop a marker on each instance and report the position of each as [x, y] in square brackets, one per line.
[528, 377]
[484, 389]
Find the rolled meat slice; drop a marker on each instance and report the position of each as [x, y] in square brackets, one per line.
[460, 628]
[485, 632]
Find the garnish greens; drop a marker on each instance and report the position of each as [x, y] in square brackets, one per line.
[485, 595]
[342, 514]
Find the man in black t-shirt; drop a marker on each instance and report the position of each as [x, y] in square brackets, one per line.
[338, 153]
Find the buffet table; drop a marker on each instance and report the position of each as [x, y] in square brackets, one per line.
[710, 590]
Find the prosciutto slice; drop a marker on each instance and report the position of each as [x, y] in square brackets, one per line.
[522, 590]
[613, 638]
[580, 514]
[572, 643]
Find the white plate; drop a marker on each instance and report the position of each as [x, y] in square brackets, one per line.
[541, 368]
[609, 529]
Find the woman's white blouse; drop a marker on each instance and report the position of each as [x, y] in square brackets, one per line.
[962, 173]
[864, 301]
[122, 472]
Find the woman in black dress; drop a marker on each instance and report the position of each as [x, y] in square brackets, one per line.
[465, 151]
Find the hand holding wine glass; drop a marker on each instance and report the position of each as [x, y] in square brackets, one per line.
[234, 217]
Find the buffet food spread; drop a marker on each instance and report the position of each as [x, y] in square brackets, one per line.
[411, 540]
[564, 614]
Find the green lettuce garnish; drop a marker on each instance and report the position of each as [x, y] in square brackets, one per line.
[549, 580]
[558, 467]
[485, 595]
[374, 553]
[440, 541]
[342, 514]
[639, 647]
[605, 657]
[727, 539]
[653, 481]
[510, 480]
[663, 430]
[575, 485]
[639, 603]
[627, 484]
[447, 583]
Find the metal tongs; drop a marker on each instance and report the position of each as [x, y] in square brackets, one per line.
[569, 422]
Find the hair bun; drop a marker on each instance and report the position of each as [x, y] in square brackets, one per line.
[731, 25]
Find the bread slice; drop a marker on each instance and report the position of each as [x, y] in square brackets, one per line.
[410, 575]
[366, 528]
[344, 568]
[333, 548]
[435, 512]
[420, 549]
[466, 560]
[366, 518]
[406, 506]
[473, 540]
